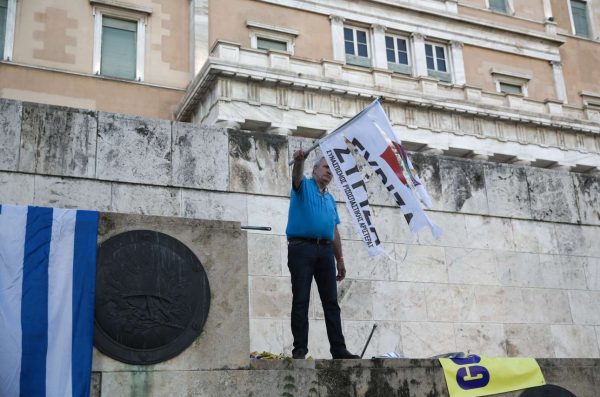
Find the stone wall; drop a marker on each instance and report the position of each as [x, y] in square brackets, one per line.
[516, 273]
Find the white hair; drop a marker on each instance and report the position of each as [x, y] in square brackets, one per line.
[318, 161]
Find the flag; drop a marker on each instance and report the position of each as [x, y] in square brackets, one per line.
[47, 288]
[371, 134]
[352, 186]
[475, 376]
[387, 130]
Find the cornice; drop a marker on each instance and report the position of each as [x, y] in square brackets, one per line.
[217, 67]
[337, 7]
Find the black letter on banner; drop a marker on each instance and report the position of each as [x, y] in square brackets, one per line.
[372, 229]
[408, 217]
[339, 152]
[360, 183]
[352, 170]
[399, 200]
[381, 174]
[356, 143]
[367, 214]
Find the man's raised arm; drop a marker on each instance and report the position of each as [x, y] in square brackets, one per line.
[298, 168]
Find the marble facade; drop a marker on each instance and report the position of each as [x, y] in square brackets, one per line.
[516, 272]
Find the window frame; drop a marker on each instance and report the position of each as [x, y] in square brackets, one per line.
[510, 10]
[260, 38]
[397, 66]
[355, 59]
[511, 78]
[133, 15]
[9, 30]
[588, 20]
[271, 32]
[500, 83]
[256, 35]
[441, 75]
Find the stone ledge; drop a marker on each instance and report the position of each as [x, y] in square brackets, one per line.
[327, 378]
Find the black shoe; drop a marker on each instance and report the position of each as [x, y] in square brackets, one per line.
[345, 355]
[298, 355]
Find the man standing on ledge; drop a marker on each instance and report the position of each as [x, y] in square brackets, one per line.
[313, 241]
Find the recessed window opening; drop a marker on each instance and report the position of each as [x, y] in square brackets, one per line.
[499, 5]
[580, 19]
[119, 42]
[396, 50]
[3, 16]
[263, 43]
[436, 57]
[355, 42]
[508, 88]
[397, 53]
[356, 47]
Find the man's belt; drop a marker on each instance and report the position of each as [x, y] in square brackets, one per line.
[318, 241]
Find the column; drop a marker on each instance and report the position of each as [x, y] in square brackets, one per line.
[559, 81]
[418, 41]
[458, 62]
[337, 37]
[379, 53]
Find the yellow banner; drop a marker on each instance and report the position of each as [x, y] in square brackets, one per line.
[475, 376]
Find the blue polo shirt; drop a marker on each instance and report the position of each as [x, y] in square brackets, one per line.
[311, 214]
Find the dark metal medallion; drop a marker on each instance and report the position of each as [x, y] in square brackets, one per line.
[152, 297]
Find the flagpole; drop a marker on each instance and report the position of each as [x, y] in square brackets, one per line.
[322, 138]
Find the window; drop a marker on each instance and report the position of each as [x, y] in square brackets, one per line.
[118, 48]
[435, 56]
[7, 28]
[511, 81]
[508, 88]
[580, 21]
[396, 49]
[3, 15]
[270, 44]
[119, 40]
[356, 47]
[271, 37]
[499, 5]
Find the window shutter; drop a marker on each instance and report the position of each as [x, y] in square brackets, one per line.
[511, 88]
[429, 57]
[349, 41]
[499, 5]
[389, 49]
[268, 44]
[119, 39]
[578, 8]
[3, 12]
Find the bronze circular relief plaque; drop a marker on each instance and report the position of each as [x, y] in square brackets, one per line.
[152, 297]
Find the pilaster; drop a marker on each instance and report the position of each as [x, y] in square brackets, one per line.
[418, 41]
[559, 81]
[379, 54]
[458, 62]
[337, 37]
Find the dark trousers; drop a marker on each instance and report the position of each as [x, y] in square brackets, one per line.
[305, 261]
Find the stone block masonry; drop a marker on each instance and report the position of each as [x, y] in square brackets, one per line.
[517, 271]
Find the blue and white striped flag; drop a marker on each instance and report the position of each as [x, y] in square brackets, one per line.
[47, 288]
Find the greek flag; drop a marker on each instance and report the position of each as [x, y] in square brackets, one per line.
[47, 287]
